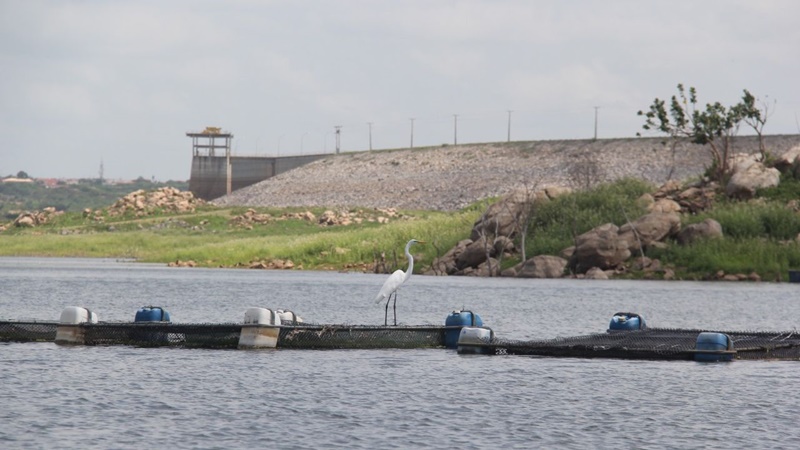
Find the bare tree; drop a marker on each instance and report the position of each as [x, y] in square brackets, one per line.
[585, 172]
[757, 116]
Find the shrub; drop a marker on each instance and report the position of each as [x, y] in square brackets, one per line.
[555, 224]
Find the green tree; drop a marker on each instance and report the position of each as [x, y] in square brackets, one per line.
[715, 126]
[22, 174]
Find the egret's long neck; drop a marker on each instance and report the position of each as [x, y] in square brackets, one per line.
[410, 269]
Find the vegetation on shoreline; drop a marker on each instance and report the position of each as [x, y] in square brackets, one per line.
[212, 237]
[87, 193]
[760, 235]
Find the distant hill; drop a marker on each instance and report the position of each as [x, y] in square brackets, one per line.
[18, 197]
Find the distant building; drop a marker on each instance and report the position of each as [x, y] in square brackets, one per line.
[16, 180]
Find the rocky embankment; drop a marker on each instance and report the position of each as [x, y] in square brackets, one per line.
[451, 177]
[607, 250]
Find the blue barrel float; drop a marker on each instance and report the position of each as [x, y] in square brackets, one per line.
[457, 320]
[712, 347]
[625, 321]
[145, 316]
[152, 314]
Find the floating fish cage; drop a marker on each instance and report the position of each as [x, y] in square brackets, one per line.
[627, 337]
[261, 328]
[28, 330]
[637, 341]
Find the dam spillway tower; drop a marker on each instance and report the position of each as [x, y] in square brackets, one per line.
[211, 163]
[208, 141]
[216, 172]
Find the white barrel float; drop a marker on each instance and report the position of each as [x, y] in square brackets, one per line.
[260, 328]
[712, 347]
[288, 317]
[474, 340]
[69, 329]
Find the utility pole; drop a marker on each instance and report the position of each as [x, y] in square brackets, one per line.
[338, 138]
[370, 135]
[509, 125]
[455, 129]
[412, 132]
[595, 122]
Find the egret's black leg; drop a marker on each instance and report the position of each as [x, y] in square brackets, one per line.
[386, 313]
[394, 308]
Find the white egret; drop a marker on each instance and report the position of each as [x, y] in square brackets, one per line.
[394, 282]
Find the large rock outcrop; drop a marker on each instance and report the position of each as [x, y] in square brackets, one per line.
[540, 266]
[600, 247]
[649, 228]
[789, 160]
[706, 229]
[143, 203]
[492, 234]
[750, 174]
[506, 217]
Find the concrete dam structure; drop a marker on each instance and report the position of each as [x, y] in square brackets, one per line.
[215, 172]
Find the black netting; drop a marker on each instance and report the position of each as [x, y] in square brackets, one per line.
[360, 337]
[653, 343]
[154, 334]
[19, 331]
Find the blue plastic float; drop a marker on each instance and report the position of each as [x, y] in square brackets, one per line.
[459, 319]
[626, 321]
[152, 314]
[712, 347]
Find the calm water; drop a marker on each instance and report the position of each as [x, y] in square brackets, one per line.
[122, 397]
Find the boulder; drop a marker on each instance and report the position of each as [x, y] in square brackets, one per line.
[595, 273]
[599, 247]
[500, 219]
[502, 245]
[541, 266]
[706, 229]
[641, 263]
[327, 218]
[488, 268]
[504, 217]
[474, 254]
[750, 175]
[25, 220]
[556, 191]
[645, 201]
[664, 205]
[788, 160]
[667, 188]
[446, 265]
[649, 228]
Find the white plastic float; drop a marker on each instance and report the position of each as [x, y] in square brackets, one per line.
[69, 330]
[261, 327]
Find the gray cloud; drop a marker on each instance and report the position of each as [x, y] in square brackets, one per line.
[123, 81]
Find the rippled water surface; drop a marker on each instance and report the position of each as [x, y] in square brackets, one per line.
[123, 397]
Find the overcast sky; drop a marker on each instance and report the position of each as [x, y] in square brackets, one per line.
[122, 81]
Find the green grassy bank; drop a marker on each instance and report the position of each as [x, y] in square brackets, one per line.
[212, 237]
[760, 235]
